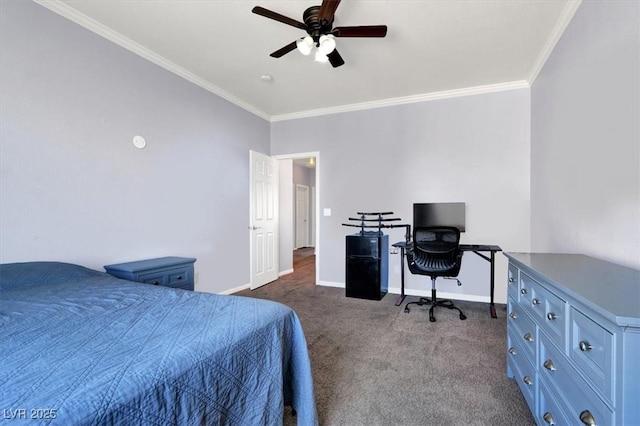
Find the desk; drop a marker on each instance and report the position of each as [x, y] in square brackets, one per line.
[478, 249]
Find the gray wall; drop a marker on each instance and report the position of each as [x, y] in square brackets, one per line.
[585, 137]
[473, 149]
[73, 187]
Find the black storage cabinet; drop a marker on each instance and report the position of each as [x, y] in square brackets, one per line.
[367, 258]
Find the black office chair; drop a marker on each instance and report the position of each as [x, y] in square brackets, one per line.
[436, 253]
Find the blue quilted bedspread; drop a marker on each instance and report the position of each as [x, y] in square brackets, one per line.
[81, 347]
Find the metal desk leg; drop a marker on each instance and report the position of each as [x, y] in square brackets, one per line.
[402, 296]
[492, 307]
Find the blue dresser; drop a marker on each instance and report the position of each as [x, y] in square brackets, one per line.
[573, 332]
[176, 272]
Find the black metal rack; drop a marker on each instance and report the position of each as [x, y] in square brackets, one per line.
[381, 223]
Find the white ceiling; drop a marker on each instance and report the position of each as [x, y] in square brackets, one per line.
[433, 48]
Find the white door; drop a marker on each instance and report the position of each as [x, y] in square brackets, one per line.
[263, 225]
[302, 216]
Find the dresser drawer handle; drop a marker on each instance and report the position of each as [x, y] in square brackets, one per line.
[524, 291]
[585, 346]
[548, 364]
[511, 279]
[156, 283]
[535, 302]
[551, 316]
[179, 277]
[527, 380]
[512, 350]
[587, 418]
[548, 418]
[528, 337]
[513, 315]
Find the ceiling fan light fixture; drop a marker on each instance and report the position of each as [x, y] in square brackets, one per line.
[326, 44]
[305, 45]
[320, 57]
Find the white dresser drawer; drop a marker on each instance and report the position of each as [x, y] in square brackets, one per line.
[522, 328]
[550, 411]
[517, 350]
[552, 311]
[592, 351]
[547, 309]
[512, 281]
[567, 385]
[525, 286]
[525, 377]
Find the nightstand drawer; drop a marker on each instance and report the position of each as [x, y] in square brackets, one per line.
[153, 278]
[591, 349]
[178, 277]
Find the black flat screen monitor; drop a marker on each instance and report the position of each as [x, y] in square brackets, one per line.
[439, 214]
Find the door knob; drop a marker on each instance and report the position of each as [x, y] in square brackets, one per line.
[253, 228]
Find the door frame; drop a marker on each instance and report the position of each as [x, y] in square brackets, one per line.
[307, 219]
[316, 201]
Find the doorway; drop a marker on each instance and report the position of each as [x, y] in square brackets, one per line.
[298, 201]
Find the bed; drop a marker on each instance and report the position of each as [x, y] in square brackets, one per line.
[79, 346]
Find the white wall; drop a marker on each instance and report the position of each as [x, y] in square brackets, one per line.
[473, 149]
[73, 187]
[585, 143]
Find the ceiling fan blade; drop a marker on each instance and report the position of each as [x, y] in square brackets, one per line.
[327, 10]
[283, 51]
[362, 31]
[277, 17]
[335, 59]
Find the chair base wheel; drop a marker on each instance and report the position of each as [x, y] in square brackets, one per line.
[434, 304]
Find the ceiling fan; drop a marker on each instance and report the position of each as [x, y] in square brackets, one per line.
[318, 23]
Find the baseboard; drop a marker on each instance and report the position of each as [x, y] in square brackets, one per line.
[392, 290]
[237, 289]
[331, 284]
[287, 272]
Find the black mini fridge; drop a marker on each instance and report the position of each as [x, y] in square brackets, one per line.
[367, 258]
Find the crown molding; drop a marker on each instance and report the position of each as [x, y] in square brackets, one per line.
[73, 15]
[478, 90]
[70, 13]
[565, 17]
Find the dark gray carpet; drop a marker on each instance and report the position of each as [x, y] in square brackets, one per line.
[375, 365]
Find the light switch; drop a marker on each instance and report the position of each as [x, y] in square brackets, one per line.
[327, 212]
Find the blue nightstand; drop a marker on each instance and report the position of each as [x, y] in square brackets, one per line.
[175, 272]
